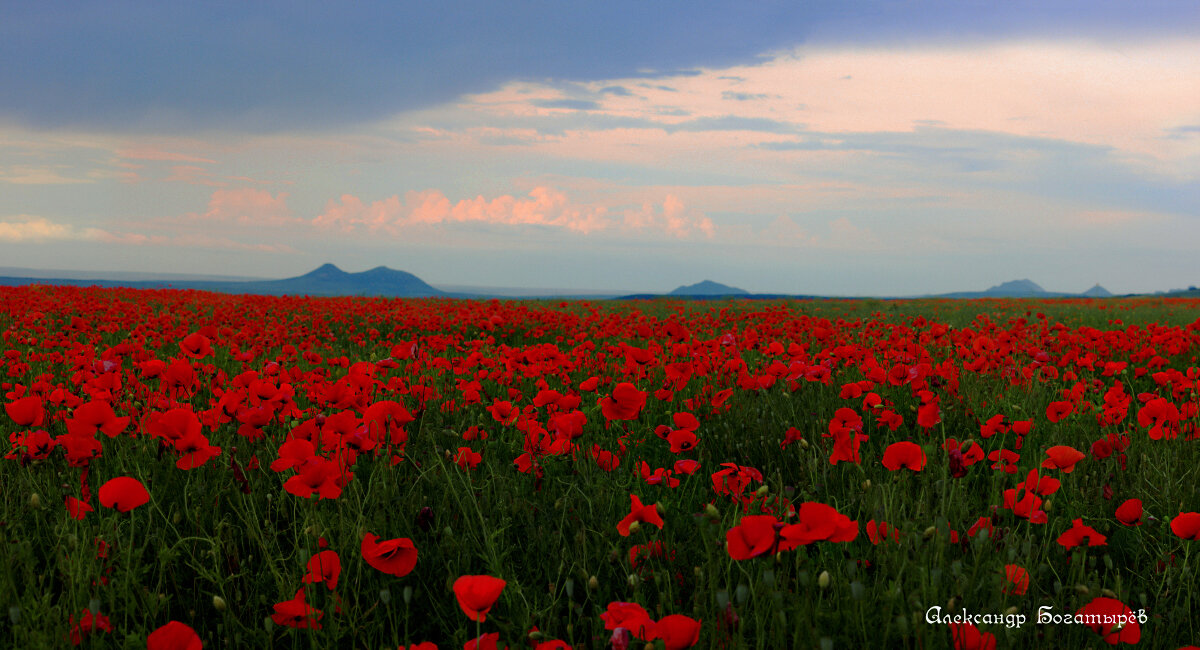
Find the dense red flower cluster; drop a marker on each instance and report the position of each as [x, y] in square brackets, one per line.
[662, 402]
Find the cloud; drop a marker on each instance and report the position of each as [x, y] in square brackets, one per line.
[569, 104]
[671, 217]
[38, 229]
[743, 97]
[247, 206]
[543, 206]
[31, 175]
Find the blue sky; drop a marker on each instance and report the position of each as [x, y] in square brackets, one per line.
[888, 148]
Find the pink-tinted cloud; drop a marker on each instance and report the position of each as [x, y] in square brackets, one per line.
[247, 206]
[542, 206]
[670, 216]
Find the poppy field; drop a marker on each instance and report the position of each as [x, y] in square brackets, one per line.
[189, 469]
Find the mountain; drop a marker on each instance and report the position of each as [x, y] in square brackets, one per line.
[329, 280]
[1015, 288]
[708, 288]
[1010, 289]
[1097, 292]
[325, 280]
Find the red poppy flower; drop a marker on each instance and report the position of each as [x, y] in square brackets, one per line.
[317, 474]
[1111, 619]
[682, 440]
[1004, 460]
[174, 636]
[1130, 512]
[324, 567]
[77, 509]
[489, 641]
[1042, 485]
[1186, 525]
[818, 522]
[753, 536]
[982, 524]
[88, 623]
[968, 637]
[123, 493]
[904, 454]
[929, 414]
[477, 594]
[628, 616]
[625, 403]
[1078, 533]
[393, 556]
[297, 613]
[879, 532]
[1059, 410]
[1161, 417]
[638, 512]
[196, 346]
[1062, 457]
[607, 460]
[26, 411]
[468, 458]
[504, 412]
[676, 631]
[1018, 578]
[95, 416]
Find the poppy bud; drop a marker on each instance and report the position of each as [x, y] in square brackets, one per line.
[950, 605]
[804, 443]
[593, 584]
[407, 595]
[385, 595]
[712, 511]
[866, 485]
[1011, 610]
[35, 501]
[1082, 590]
[219, 604]
[929, 532]
[536, 635]
[762, 491]
[634, 527]
[632, 579]
[425, 518]
[823, 580]
[1048, 505]
[176, 518]
[1108, 593]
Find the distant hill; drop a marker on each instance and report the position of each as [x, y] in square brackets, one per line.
[1025, 289]
[1016, 288]
[708, 288]
[329, 280]
[326, 280]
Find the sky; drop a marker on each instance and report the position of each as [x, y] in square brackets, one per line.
[833, 148]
